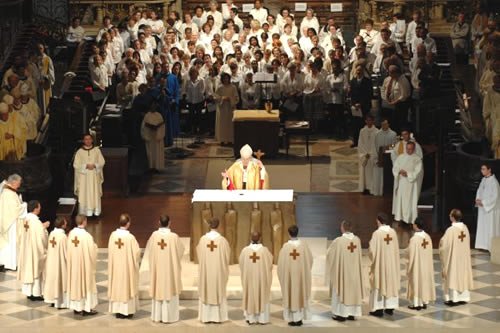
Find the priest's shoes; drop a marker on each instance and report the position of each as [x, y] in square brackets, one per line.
[377, 313]
[339, 318]
[390, 312]
[411, 307]
[122, 316]
[89, 313]
[351, 318]
[295, 323]
[35, 298]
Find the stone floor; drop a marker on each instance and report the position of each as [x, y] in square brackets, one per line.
[483, 313]
[332, 167]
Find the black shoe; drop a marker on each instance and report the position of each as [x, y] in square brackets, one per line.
[377, 313]
[450, 303]
[424, 306]
[89, 313]
[29, 297]
[2, 268]
[351, 318]
[77, 312]
[411, 307]
[292, 323]
[37, 298]
[339, 318]
[366, 192]
[298, 323]
[130, 316]
[389, 311]
[248, 322]
[52, 305]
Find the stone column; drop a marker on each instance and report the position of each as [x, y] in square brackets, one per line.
[100, 15]
[398, 7]
[165, 9]
[373, 5]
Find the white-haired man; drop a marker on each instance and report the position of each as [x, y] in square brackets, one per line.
[12, 211]
[247, 173]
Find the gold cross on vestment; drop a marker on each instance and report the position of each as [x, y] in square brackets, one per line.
[462, 236]
[53, 242]
[425, 243]
[119, 243]
[387, 239]
[259, 154]
[254, 257]
[26, 226]
[294, 254]
[75, 241]
[162, 244]
[212, 246]
[351, 247]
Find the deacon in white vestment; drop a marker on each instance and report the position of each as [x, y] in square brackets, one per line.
[161, 267]
[213, 256]
[256, 266]
[367, 154]
[456, 270]
[344, 274]
[406, 171]
[400, 149]
[488, 206]
[124, 254]
[81, 262]
[32, 253]
[12, 213]
[55, 290]
[385, 273]
[384, 139]
[294, 272]
[88, 164]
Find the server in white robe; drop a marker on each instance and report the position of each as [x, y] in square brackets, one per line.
[367, 154]
[384, 139]
[488, 209]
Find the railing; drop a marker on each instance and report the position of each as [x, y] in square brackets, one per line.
[92, 12]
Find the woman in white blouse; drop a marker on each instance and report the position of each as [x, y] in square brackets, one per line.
[313, 89]
[250, 93]
[292, 87]
[309, 21]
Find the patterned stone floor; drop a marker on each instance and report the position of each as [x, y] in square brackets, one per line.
[333, 167]
[18, 314]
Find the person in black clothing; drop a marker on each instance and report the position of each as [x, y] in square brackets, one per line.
[360, 91]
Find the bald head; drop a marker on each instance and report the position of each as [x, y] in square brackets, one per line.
[255, 237]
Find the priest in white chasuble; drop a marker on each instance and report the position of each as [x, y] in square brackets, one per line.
[256, 265]
[384, 268]
[32, 253]
[406, 170]
[55, 290]
[12, 213]
[344, 274]
[367, 154]
[124, 254]
[88, 164]
[162, 266]
[294, 272]
[213, 272]
[247, 173]
[488, 209]
[153, 133]
[420, 271]
[82, 261]
[400, 149]
[454, 252]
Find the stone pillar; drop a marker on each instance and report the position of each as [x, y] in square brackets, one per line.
[438, 11]
[373, 4]
[100, 15]
[165, 10]
[398, 7]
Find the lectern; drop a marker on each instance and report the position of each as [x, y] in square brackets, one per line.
[241, 212]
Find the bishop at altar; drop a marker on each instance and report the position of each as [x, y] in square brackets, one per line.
[247, 173]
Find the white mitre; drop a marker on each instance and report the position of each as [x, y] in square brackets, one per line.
[246, 152]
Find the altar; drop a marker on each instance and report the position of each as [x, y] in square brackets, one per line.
[242, 212]
[258, 128]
